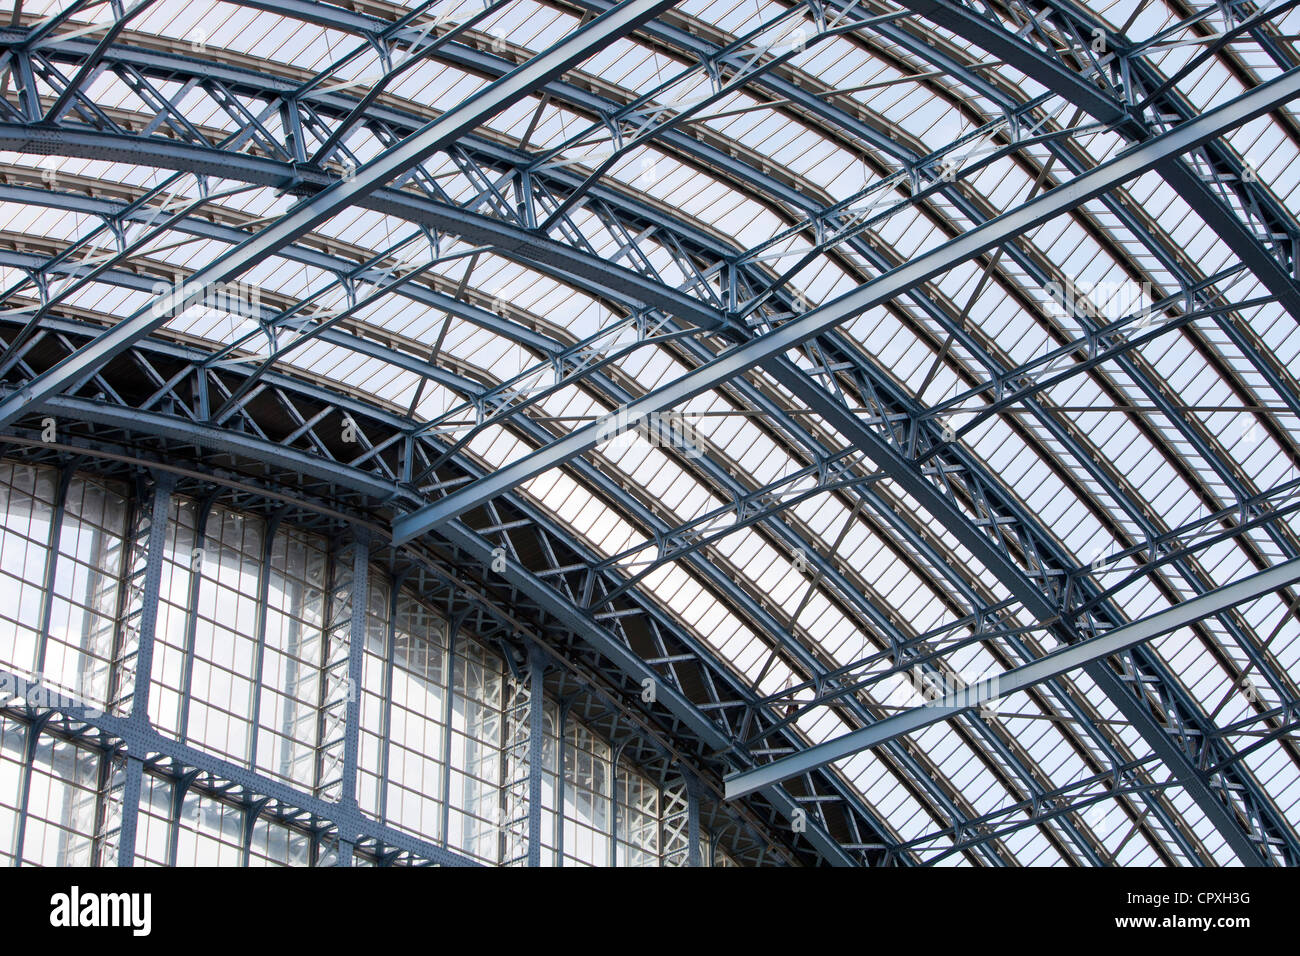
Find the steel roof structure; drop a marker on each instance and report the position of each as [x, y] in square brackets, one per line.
[883, 411]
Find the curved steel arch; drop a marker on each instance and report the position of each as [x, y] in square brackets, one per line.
[886, 625]
[377, 485]
[595, 478]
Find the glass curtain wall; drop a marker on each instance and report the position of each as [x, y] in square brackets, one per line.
[238, 673]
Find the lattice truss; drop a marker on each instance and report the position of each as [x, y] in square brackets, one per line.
[800, 363]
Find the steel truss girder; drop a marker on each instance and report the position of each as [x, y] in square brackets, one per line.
[684, 713]
[786, 90]
[766, 182]
[299, 466]
[1212, 458]
[799, 330]
[420, 294]
[1181, 542]
[655, 26]
[547, 255]
[596, 478]
[988, 524]
[176, 65]
[505, 328]
[876, 292]
[1270, 246]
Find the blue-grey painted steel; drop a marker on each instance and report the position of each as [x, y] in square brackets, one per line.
[561, 735]
[358, 606]
[356, 655]
[1248, 645]
[51, 563]
[627, 661]
[201, 515]
[120, 732]
[217, 438]
[1033, 598]
[655, 25]
[692, 820]
[263, 607]
[734, 362]
[993, 688]
[448, 709]
[148, 621]
[134, 773]
[146, 624]
[536, 751]
[386, 721]
[390, 164]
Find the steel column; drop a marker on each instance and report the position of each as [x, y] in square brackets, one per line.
[536, 751]
[692, 820]
[159, 516]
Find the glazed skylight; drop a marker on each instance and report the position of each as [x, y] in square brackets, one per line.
[1161, 436]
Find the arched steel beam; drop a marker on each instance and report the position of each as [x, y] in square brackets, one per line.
[482, 66]
[548, 256]
[1243, 241]
[770, 346]
[1083, 458]
[310, 212]
[959, 17]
